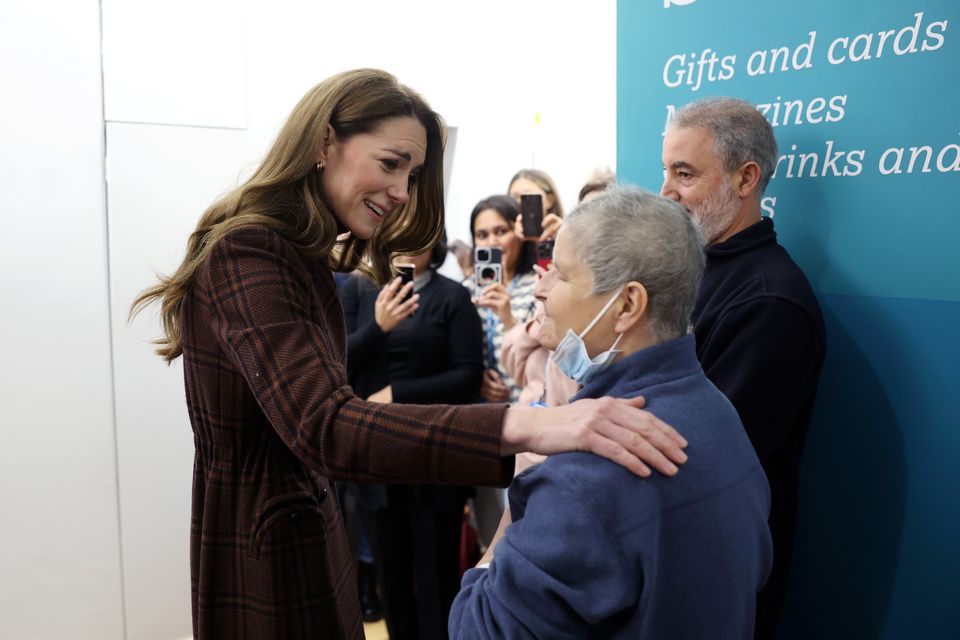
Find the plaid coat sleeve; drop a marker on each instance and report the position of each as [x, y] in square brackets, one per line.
[277, 318]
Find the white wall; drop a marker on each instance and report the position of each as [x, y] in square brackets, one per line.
[488, 69]
[193, 93]
[60, 573]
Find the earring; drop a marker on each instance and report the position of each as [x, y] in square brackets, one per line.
[320, 165]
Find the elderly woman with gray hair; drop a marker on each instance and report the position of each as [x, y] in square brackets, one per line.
[594, 551]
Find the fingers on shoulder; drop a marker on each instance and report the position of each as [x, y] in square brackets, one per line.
[617, 453]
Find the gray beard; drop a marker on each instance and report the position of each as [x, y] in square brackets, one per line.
[716, 213]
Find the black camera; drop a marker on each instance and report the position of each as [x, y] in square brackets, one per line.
[487, 265]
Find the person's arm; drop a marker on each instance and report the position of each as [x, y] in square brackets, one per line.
[492, 388]
[518, 343]
[273, 331]
[497, 297]
[559, 571]
[765, 356]
[461, 377]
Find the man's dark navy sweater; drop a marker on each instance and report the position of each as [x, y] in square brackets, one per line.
[595, 551]
[761, 341]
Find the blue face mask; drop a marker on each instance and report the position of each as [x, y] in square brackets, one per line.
[571, 354]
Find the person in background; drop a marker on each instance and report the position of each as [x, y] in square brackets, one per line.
[371, 609]
[598, 182]
[501, 306]
[537, 182]
[593, 552]
[354, 177]
[522, 355]
[505, 304]
[432, 356]
[464, 256]
[760, 334]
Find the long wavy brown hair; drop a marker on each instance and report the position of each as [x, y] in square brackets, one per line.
[284, 193]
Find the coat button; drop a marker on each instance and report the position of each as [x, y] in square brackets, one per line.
[321, 495]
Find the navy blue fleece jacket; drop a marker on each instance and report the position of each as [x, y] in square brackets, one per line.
[595, 551]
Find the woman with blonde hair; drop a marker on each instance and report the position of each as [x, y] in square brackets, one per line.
[537, 182]
[354, 176]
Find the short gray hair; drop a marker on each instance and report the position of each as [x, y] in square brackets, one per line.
[628, 234]
[740, 133]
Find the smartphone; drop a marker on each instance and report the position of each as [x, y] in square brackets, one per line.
[531, 212]
[406, 273]
[487, 255]
[487, 265]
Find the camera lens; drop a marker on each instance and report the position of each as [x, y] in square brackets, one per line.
[488, 273]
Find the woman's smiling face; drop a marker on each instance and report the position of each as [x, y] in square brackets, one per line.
[368, 176]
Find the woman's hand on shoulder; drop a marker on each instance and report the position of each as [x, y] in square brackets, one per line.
[616, 429]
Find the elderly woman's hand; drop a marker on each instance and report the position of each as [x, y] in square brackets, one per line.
[497, 297]
[393, 305]
[492, 388]
[611, 428]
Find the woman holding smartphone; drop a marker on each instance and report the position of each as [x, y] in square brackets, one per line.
[504, 301]
[535, 182]
[424, 349]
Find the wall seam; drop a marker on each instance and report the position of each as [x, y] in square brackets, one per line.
[175, 124]
[113, 356]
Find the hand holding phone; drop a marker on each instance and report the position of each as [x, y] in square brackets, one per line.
[531, 212]
[390, 309]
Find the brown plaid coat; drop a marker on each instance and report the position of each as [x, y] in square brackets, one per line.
[264, 356]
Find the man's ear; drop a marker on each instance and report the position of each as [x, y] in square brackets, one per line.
[632, 308]
[747, 179]
[329, 139]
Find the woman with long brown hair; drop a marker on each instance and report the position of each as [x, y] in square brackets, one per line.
[354, 176]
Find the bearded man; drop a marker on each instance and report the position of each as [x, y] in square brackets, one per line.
[759, 331]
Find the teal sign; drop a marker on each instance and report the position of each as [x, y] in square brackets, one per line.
[864, 99]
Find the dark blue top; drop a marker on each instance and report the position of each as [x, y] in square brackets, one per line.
[434, 356]
[595, 551]
[761, 340]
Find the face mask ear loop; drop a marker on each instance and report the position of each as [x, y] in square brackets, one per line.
[603, 311]
[615, 343]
